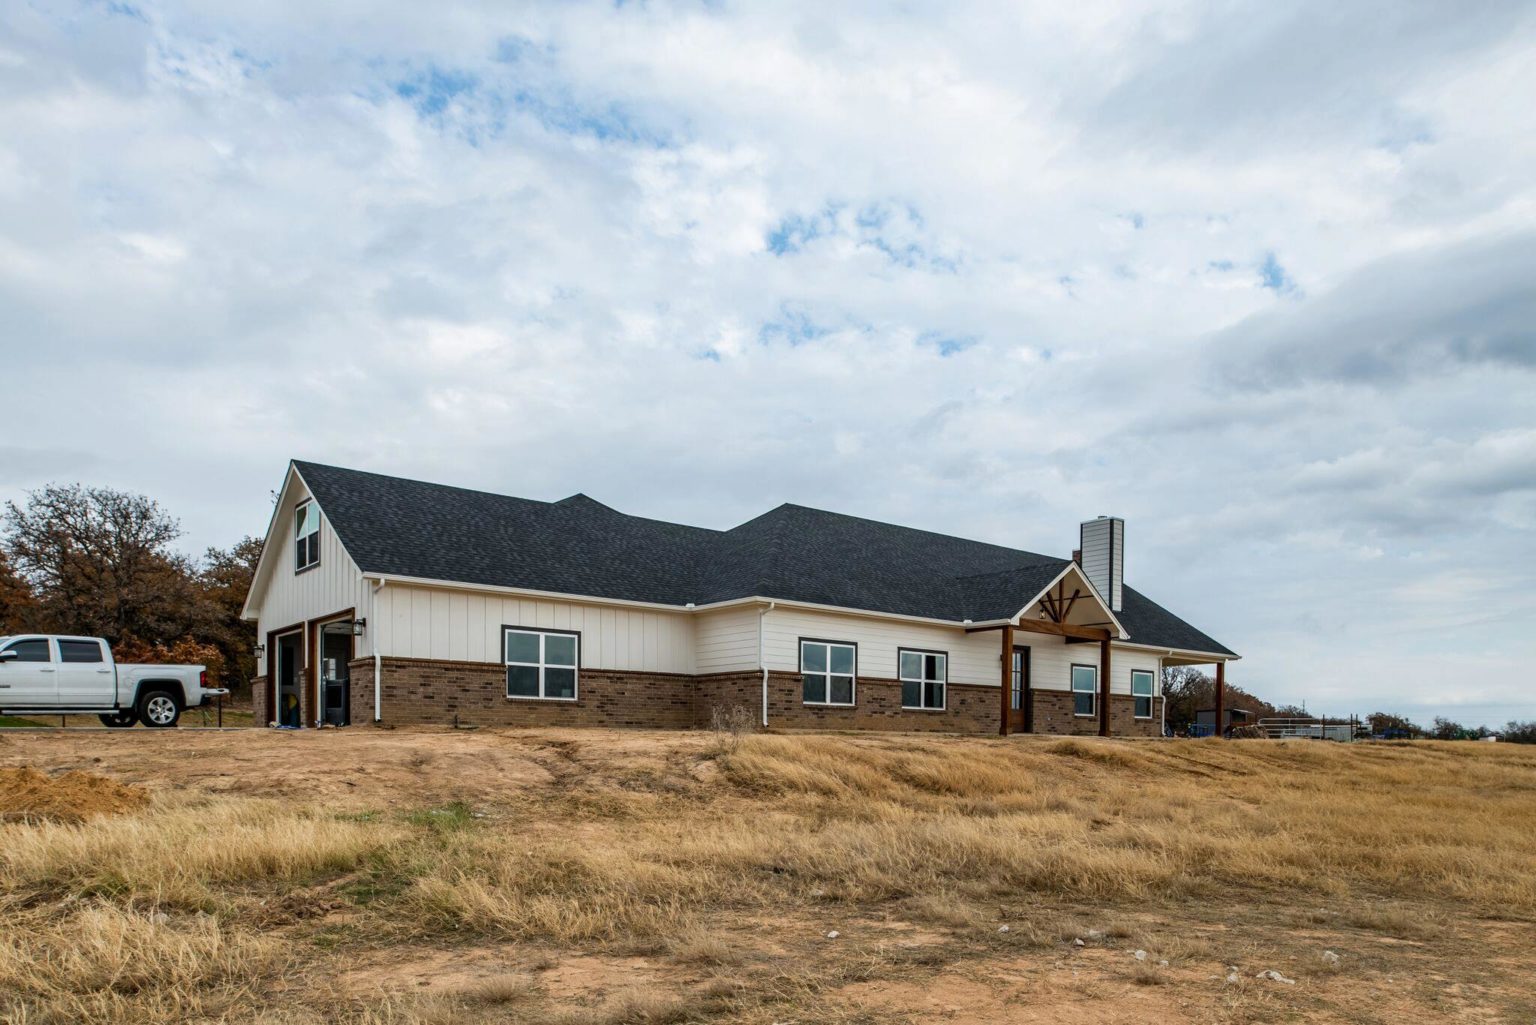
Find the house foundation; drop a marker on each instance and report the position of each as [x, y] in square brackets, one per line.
[447, 693]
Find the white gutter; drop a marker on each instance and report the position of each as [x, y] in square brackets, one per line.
[762, 660]
[378, 661]
[1185, 653]
[588, 599]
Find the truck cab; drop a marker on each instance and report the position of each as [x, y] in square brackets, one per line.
[63, 674]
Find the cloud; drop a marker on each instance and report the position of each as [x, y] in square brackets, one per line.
[1407, 315]
[1256, 278]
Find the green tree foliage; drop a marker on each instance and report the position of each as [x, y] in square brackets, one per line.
[1445, 729]
[1385, 724]
[1519, 732]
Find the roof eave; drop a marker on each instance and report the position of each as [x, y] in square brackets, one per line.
[1212, 656]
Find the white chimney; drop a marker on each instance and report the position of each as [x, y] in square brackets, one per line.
[1102, 542]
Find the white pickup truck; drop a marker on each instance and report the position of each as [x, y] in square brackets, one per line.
[47, 673]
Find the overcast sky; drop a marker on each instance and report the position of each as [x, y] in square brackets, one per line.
[1260, 278]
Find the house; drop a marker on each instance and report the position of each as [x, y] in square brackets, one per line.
[386, 600]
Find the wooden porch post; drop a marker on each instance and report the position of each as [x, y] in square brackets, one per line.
[1104, 688]
[1221, 686]
[1007, 678]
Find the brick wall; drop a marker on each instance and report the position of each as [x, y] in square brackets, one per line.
[1053, 714]
[259, 700]
[726, 691]
[360, 689]
[474, 693]
[878, 707]
[1123, 721]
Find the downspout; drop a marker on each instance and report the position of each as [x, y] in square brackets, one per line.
[378, 661]
[1161, 697]
[762, 661]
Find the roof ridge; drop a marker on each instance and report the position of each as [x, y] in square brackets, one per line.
[915, 530]
[1045, 561]
[301, 463]
[566, 502]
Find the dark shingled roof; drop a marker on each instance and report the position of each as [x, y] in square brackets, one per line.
[579, 546]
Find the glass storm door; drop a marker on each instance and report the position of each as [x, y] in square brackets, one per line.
[1021, 717]
[290, 653]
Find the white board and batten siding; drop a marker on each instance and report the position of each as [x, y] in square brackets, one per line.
[466, 626]
[973, 658]
[292, 598]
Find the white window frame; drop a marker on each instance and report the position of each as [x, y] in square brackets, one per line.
[922, 680]
[543, 664]
[827, 674]
[1094, 693]
[296, 539]
[1150, 695]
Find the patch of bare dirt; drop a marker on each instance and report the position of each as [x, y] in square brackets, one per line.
[29, 795]
[1002, 993]
[359, 766]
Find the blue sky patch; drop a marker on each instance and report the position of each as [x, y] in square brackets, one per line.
[1274, 277]
[432, 91]
[793, 326]
[947, 344]
[795, 232]
[893, 228]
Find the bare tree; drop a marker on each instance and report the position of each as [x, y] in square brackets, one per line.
[99, 562]
[224, 582]
[1387, 724]
[1188, 690]
[18, 608]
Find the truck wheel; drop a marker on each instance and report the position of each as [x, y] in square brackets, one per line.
[158, 709]
[119, 719]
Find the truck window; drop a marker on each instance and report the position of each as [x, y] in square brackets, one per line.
[33, 650]
[80, 651]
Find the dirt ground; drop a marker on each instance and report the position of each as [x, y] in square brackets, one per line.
[1033, 958]
[28, 795]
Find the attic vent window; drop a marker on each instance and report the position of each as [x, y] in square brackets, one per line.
[306, 532]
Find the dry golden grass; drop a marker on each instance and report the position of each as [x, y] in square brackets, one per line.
[1057, 840]
[106, 964]
[180, 852]
[880, 821]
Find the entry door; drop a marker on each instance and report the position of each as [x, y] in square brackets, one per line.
[86, 679]
[1021, 703]
[336, 652]
[32, 677]
[290, 652]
